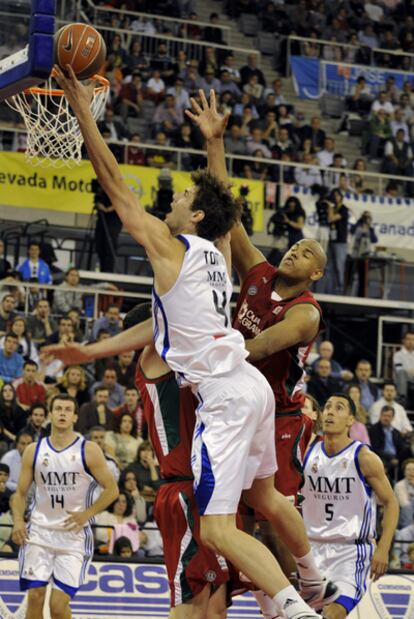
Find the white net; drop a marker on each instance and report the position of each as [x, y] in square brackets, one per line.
[53, 134]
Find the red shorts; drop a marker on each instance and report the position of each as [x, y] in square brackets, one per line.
[293, 433]
[190, 565]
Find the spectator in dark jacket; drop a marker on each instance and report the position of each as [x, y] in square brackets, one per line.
[369, 390]
[95, 413]
[388, 443]
[322, 385]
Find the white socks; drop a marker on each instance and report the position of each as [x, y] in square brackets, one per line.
[290, 604]
[307, 567]
[267, 605]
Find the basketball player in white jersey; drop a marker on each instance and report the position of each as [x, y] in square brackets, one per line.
[57, 542]
[342, 477]
[233, 447]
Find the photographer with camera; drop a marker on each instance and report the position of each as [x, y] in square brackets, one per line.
[246, 215]
[286, 227]
[107, 230]
[162, 197]
[364, 236]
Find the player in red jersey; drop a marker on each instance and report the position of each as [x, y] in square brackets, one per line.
[279, 319]
[194, 572]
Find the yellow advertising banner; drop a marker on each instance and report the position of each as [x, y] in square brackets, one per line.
[69, 189]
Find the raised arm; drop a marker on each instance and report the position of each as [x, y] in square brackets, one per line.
[213, 125]
[134, 338]
[373, 471]
[146, 229]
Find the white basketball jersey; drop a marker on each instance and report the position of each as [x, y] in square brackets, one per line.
[339, 506]
[62, 483]
[192, 327]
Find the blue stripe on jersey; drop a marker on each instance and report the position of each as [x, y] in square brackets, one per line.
[184, 240]
[368, 488]
[35, 453]
[166, 344]
[71, 591]
[338, 453]
[85, 466]
[205, 487]
[26, 584]
[308, 453]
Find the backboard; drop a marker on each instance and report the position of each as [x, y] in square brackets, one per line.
[26, 44]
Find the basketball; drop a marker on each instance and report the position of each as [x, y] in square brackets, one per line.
[80, 46]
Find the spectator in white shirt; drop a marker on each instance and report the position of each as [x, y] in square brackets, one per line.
[13, 459]
[256, 143]
[182, 98]
[400, 421]
[326, 155]
[307, 177]
[382, 103]
[403, 364]
[399, 123]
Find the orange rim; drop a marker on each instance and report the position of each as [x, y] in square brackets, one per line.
[58, 92]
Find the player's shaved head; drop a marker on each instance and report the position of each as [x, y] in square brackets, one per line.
[319, 252]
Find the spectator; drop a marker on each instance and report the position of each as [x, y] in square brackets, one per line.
[98, 367]
[95, 413]
[323, 207]
[161, 158]
[117, 130]
[13, 459]
[137, 62]
[162, 62]
[181, 96]
[308, 177]
[337, 249]
[332, 178]
[228, 84]
[97, 435]
[5, 266]
[78, 326]
[360, 99]
[254, 89]
[125, 369]
[143, 24]
[7, 313]
[398, 123]
[314, 133]
[116, 395]
[357, 181]
[168, 116]
[214, 34]
[294, 219]
[73, 383]
[130, 98]
[368, 38]
[387, 442]
[123, 548]
[284, 145]
[369, 390]
[34, 267]
[326, 351]
[122, 440]
[12, 417]
[35, 422]
[250, 69]
[210, 82]
[5, 493]
[400, 420]
[11, 363]
[230, 66]
[404, 491]
[64, 333]
[383, 103]
[65, 297]
[363, 237]
[118, 513]
[155, 86]
[403, 364]
[322, 385]
[111, 322]
[234, 141]
[41, 324]
[398, 155]
[134, 154]
[312, 409]
[29, 390]
[358, 431]
[192, 78]
[133, 407]
[129, 483]
[25, 347]
[146, 471]
[326, 155]
[256, 142]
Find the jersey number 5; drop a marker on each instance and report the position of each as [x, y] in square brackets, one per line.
[57, 500]
[329, 511]
[221, 305]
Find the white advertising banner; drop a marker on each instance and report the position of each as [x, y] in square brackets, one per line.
[119, 590]
[393, 218]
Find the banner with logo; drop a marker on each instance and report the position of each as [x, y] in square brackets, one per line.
[119, 590]
[393, 218]
[112, 590]
[69, 189]
[313, 77]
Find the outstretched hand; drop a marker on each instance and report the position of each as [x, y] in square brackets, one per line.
[205, 116]
[77, 94]
[71, 353]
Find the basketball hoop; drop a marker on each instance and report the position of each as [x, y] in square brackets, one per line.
[53, 134]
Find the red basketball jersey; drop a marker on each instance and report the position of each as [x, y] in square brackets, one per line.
[260, 307]
[169, 413]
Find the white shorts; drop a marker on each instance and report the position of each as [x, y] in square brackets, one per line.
[59, 557]
[348, 566]
[234, 438]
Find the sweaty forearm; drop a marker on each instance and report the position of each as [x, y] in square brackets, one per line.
[18, 506]
[389, 523]
[107, 497]
[216, 159]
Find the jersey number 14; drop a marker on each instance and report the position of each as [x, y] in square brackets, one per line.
[57, 500]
